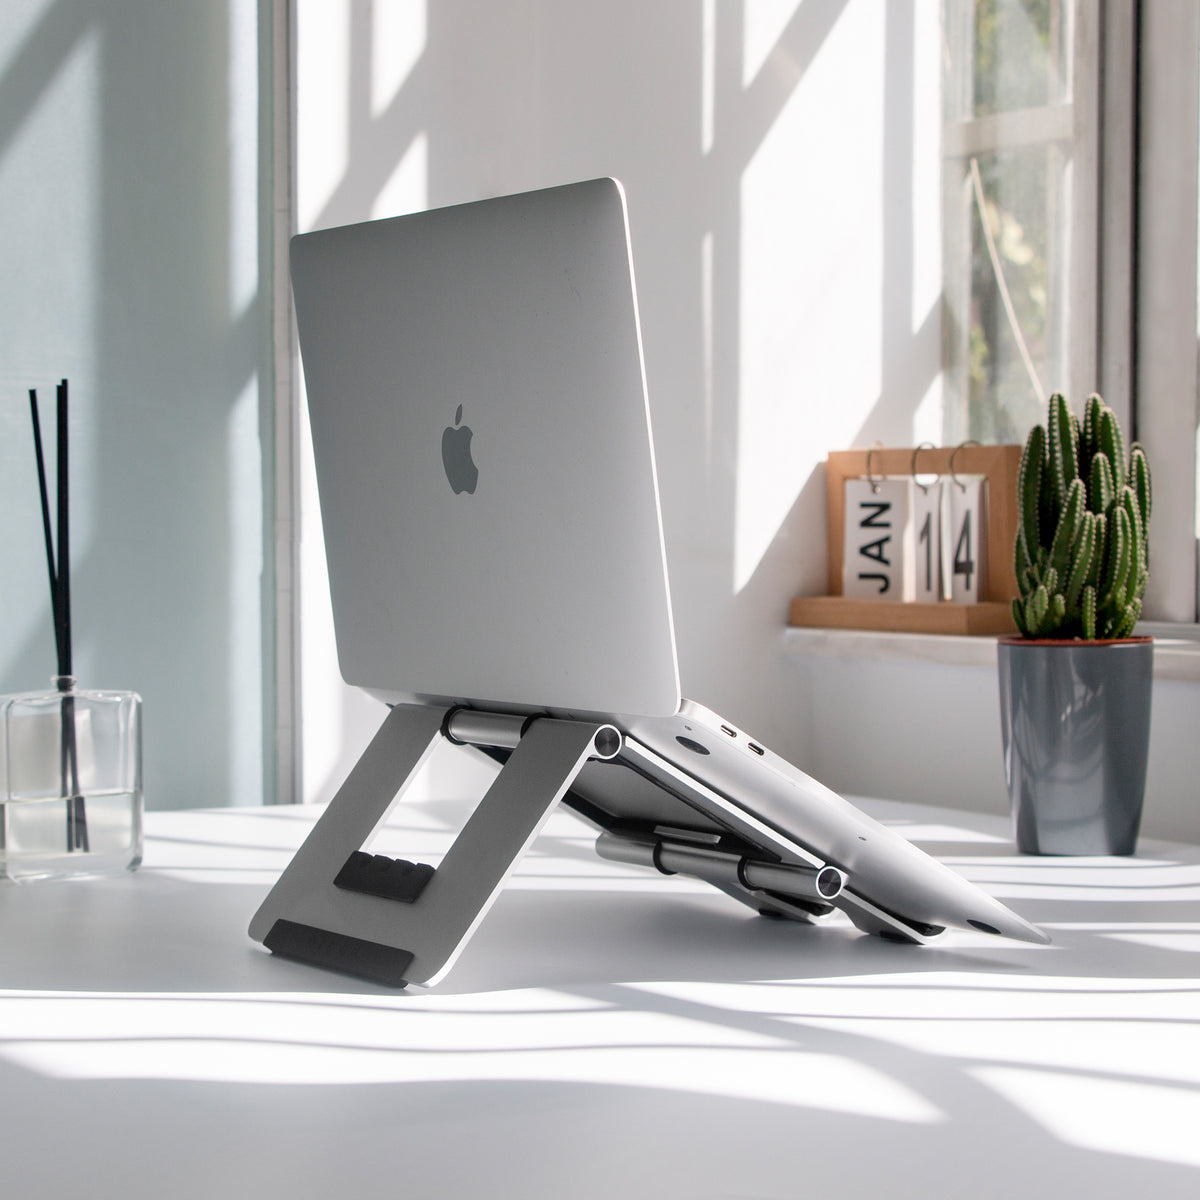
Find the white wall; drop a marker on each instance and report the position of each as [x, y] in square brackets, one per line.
[129, 263]
[782, 172]
[782, 165]
[930, 733]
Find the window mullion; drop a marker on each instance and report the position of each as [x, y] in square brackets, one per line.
[1118, 209]
[1009, 130]
[1166, 288]
[1083, 270]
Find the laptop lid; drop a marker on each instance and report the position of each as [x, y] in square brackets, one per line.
[484, 458]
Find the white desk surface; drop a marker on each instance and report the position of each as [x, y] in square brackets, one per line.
[608, 1033]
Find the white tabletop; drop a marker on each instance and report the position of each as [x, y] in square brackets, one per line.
[607, 1033]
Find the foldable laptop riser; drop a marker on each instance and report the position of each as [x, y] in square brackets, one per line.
[397, 922]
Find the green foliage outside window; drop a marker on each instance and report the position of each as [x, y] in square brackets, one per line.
[1019, 61]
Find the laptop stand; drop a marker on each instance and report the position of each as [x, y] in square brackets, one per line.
[396, 922]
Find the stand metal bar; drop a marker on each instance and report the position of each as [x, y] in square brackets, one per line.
[306, 916]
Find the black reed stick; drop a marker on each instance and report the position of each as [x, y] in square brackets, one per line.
[64, 537]
[59, 567]
[77, 833]
[41, 470]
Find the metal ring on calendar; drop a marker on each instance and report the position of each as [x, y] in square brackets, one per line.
[962, 487]
[913, 469]
[871, 479]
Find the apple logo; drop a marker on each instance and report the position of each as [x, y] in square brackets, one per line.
[456, 456]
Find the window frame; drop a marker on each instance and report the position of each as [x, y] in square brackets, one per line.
[1166, 381]
[1132, 119]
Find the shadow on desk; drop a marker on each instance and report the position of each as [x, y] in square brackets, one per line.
[606, 1033]
[567, 918]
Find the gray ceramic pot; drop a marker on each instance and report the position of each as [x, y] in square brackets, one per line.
[1075, 718]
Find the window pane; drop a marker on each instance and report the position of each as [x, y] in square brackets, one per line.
[1020, 54]
[1015, 345]
[1008, 191]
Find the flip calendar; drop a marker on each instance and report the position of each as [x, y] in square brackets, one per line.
[878, 554]
[965, 541]
[929, 574]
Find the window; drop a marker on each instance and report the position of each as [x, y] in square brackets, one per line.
[1016, 182]
[1070, 131]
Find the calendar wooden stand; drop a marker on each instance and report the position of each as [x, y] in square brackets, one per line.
[993, 615]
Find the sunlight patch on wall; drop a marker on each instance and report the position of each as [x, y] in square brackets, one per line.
[708, 73]
[811, 252]
[243, 155]
[408, 188]
[322, 104]
[764, 21]
[245, 600]
[21, 17]
[708, 333]
[929, 419]
[398, 36]
[926, 162]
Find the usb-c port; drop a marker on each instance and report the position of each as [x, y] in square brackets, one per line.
[756, 748]
[726, 729]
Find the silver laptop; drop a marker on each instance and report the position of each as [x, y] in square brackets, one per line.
[485, 465]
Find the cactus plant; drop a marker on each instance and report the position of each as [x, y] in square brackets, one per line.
[1081, 554]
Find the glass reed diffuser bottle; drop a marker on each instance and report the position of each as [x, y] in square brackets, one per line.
[70, 759]
[71, 767]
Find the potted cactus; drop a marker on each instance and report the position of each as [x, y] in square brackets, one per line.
[1075, 684]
